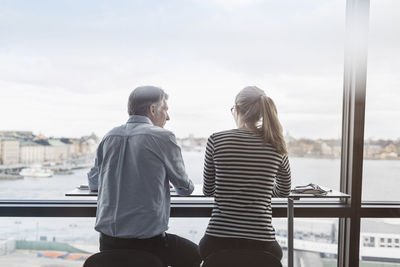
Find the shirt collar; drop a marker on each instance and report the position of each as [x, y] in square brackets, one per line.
[139, 119]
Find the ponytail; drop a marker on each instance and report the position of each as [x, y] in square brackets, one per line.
[271, 128]
[259, 113]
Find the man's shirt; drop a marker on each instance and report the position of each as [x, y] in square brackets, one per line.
[134, 166]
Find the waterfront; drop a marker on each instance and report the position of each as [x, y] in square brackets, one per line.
[324, 172]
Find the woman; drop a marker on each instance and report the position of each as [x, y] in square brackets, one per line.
[243, 169]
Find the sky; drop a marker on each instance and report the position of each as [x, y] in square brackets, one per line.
[68, 67]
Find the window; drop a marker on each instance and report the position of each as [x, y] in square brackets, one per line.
[201, 52]
[64, 242]
[369, 241]
[315, 240]
[381, 145]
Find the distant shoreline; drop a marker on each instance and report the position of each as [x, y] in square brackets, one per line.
[10, 176]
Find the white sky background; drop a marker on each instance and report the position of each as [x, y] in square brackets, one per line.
[67, 67]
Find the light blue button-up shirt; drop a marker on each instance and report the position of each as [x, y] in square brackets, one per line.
[134, 166]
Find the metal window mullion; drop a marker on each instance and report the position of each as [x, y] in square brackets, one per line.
[354, 86]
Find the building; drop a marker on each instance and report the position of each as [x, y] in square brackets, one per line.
[57, 150]
[88, 144]
[76, 146]
[17, 134]
[70, 146]
[31, 152]
[9, 150]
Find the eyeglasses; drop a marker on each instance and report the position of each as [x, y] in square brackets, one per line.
[232, 109]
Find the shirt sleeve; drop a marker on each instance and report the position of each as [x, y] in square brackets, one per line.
[209, 169]
[93, 174]
[283, 179]
[175, 166]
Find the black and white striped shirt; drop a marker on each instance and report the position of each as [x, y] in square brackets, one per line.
[243, 173]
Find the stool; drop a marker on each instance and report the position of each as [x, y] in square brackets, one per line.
[123, 258]
[241, 258]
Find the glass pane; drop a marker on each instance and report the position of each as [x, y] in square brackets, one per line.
[315, 240]
[62, 79]
[380, 242]
[62, 242]
[38, 241]
[382, 143]
[265, 50]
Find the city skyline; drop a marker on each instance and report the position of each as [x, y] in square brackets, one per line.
[189, 135]
[33, 147]
[67, 68]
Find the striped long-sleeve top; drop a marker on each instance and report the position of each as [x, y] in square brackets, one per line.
[243, 173]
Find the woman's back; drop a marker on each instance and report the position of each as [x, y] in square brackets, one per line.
[243, 173]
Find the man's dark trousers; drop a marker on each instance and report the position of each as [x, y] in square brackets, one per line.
[173, 250]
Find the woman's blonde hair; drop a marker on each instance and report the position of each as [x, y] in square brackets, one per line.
[259, 112]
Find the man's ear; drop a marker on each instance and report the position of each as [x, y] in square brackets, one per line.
[152, 110]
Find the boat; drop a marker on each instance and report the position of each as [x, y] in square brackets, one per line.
[62, 170]
[76, 166]
[36, 172]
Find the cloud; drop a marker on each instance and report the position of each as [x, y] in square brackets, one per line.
[228, 4]
[72, 66]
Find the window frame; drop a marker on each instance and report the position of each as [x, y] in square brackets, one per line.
[350, 212]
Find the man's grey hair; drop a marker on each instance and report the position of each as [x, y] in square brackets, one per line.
[142, 98]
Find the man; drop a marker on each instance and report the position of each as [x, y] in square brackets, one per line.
[134, 167]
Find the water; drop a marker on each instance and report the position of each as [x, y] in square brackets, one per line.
[324, 172]
[42, 188]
